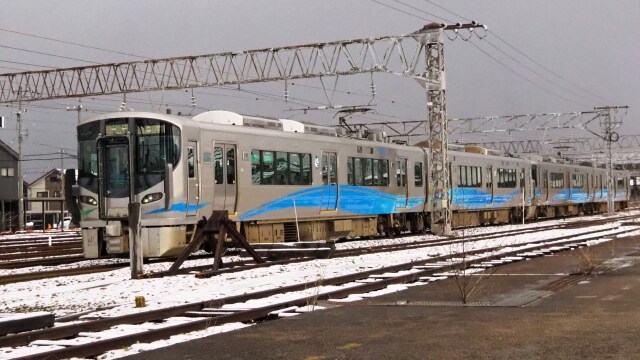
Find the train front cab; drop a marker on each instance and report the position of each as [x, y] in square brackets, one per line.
[124, 158]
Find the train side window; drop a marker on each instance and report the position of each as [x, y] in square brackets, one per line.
[267, 168]
[545, 181]
[470, 176]
[375, 168]
[306, 170]
[294, 169]
[218, 171]
[191, 162]
[577, 180]
[506, 178]
[557, 180]
[384, 170]
[255, 167]
[231, 166]
[417, 174]
[463, 176]
[350, 171]
[620, 183]
[358, 172]
[281, 168]
[368, 171]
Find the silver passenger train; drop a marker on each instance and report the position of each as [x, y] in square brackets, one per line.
[282, 180]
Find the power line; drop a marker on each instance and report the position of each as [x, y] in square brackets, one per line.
[523, 76]
[399, 10]
[424, 12]
[71, 43]
[447, 10]
[533, 70]
[547, 69]
[46, 54]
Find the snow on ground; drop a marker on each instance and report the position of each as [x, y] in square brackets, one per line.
[114, 291]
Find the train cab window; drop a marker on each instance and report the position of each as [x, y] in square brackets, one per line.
[506, 178]
[577, 180]
[557, 180]
[191, 162]
[401, 173]
[231, 166]
[417, 174]
[217, 159]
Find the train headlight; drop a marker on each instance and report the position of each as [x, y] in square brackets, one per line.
[88, 200]
[151, 198]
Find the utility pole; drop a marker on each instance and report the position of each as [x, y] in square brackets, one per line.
[20, 171]
[608, 123]
[431, 36]
[77, 108]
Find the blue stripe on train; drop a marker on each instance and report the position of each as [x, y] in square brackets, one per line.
[470, 198]
[353, 199]
[179, 207]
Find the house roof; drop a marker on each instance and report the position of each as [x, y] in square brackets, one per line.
[4, 146]
[43, 176]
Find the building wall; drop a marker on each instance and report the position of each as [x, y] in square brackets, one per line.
[35, 188]
[54, 183]
[8, 184]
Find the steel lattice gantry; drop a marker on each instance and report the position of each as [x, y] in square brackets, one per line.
[418, 55]
[400, 54]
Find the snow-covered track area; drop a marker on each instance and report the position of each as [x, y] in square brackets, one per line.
[101, 305]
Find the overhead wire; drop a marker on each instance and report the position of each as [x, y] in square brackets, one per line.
[545, 89]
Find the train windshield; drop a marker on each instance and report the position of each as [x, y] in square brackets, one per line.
[157, 143]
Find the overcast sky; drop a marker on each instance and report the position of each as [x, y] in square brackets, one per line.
[589, 50]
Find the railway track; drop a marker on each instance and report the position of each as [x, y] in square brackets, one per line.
[203, 271]
[93, 337]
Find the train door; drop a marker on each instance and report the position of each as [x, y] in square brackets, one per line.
[401, 183]
[193, 191]
[523, 186]
[569, 185]
[545, 185]
[224, 177]
[115, 185]
[489, 184]
[534, 183]
[330, 181]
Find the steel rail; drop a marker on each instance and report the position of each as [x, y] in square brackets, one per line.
[154, 315]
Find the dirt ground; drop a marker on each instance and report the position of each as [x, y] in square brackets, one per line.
[544, 308]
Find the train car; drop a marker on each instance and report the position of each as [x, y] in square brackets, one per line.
[282, 180]
[488, 189]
